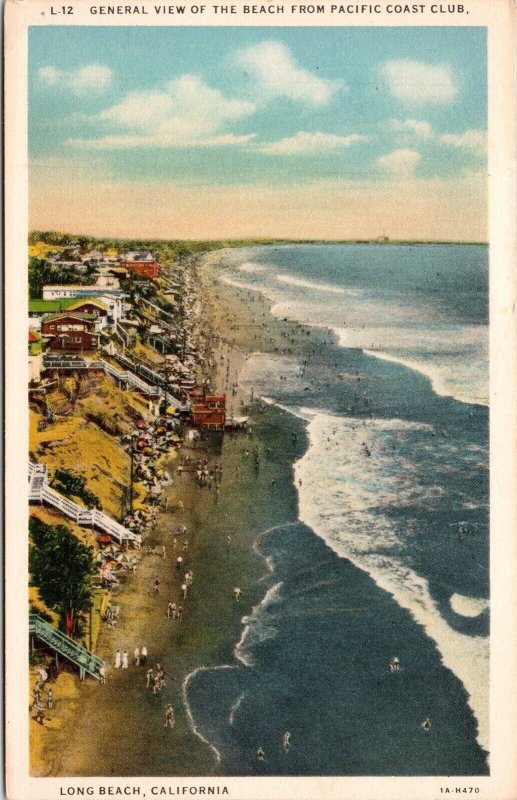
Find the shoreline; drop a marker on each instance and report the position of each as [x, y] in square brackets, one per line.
[241, 331]
[123, 710]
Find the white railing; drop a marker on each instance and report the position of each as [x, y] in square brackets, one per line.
[41, 492]
[123, 376]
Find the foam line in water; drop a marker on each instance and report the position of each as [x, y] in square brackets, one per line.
[342, 496]
[254, 628]
[291, 280]
[184, 693]
[235, 707]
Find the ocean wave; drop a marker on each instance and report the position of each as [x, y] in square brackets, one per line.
[190, 717]
[443, 384]
[235, 707]
[256, 630]
[252, 267]
[468, 606]
[453, 373]
[342, 498]
[302, 283]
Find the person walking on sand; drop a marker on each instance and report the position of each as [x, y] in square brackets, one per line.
[179, 612]
[136, 655]
[125, 660]
[117, 659]
[143, 655]
[102, 674]
[169, 716]
[39, 715]
[237, 594]
[184, 590]
[179, 562]
[170, 607]
[174, 543]
[50, 698]
[149, 676]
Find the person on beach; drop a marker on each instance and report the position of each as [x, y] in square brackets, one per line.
[169, 716]
[50, 698]
[125, 660]
[170, 608]
[179, 562]
[149, 675]
[143, 655]
[184, 590]
[39, 715]
[185, 545]
[174, 543]
[102, 674]
[117, 659]
[286, 741]
[136, 656]
[261, 754]
[163, 551]
[237, 594]
[156, 585]
[179, 612]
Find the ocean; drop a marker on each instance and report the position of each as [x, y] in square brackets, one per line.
[386, 553]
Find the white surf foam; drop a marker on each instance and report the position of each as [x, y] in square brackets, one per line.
[184, 694]
[468, 606]
[341, 497]
[255, 629]
[302, 283]
[235, 707]
[252, 267]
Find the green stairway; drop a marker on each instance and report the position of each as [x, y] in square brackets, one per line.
[66, 647]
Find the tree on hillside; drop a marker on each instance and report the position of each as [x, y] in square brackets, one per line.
[40, 273]
[62, 568]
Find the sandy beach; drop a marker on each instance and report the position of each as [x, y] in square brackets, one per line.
[119, 729]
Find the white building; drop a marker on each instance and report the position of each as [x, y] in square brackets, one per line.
[113, 298]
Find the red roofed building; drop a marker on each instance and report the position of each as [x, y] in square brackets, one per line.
[143, 264]
[208, 411]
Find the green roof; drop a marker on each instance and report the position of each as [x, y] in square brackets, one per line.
[49, 306]
[74, 314]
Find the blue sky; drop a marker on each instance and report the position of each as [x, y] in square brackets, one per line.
[259, 109]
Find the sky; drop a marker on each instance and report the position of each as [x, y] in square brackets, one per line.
[234, 132]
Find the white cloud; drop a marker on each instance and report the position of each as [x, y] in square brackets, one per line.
[304, 143]
[90, 78]
[413, 127]
[399, 163]
[472, 140]
[187, 113]
[277, 74]
[418, 82]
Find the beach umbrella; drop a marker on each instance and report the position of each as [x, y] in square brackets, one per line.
[105, 538]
